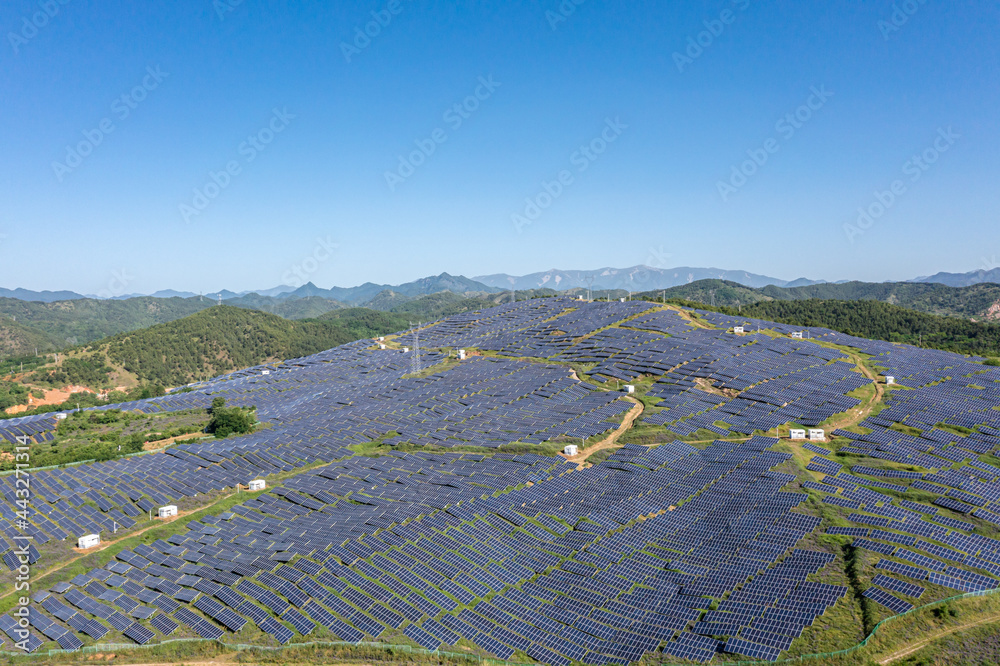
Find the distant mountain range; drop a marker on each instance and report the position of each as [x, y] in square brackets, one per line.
[635, 279]
[963, 279]
[39, 296]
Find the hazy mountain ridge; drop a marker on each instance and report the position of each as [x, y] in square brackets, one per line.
[635, 278]
[963, 279]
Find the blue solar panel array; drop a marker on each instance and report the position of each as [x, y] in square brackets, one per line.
[415, 542]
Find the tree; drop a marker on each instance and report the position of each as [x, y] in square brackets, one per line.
[228, 421]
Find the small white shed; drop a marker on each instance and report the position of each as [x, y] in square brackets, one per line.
[257, 484]
[406, 350]
[88, 541]
[797, 433]
[889, 380]
[738, 329]
[461, 354]
[798, 335]
[168, 511]
[571, 450]
[628, 388]
[817, 434]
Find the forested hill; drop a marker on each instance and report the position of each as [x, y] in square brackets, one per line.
[19, 340]
[881, 321]
[220, 340]
[978, 302]
[80, 321]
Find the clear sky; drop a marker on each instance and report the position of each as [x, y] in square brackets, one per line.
[249, 139]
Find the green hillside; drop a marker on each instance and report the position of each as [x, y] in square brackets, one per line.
[16, 340]
[882, 321]
[81, 321]
[973, 302]
[443, 304]
[309, 307]
[365, 323]
[215, 341]
[967, 302]
[212, 342]
[724, 293]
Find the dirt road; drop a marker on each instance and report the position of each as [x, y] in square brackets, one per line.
[856, 416]
[610, 440]
[924, 642]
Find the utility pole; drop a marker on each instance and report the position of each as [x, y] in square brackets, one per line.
[415, 359]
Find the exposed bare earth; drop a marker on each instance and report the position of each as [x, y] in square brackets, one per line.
[164, 443]
[610, 440]
[52, 397]
[993, 312]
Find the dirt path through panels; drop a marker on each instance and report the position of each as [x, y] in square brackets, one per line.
[80, 554]
[919, 645]
[611, 439]
[856, 416]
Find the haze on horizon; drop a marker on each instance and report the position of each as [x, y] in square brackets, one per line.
[202, 145]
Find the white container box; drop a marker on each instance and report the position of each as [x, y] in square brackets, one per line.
[88, 541]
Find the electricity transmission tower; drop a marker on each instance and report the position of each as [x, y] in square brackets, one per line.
[415, 357]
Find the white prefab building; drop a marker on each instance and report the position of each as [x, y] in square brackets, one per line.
[265, 372]
[798, 335]
[738, 329]
[381, 338]
[461, 354]
[257, 484]
[60, 417]
[571, 450]
[796, 433]
[168, 511]
[817, 434]
[406, 350]
[88, 541]
[890, 380]
[628, 388]
[381, 346]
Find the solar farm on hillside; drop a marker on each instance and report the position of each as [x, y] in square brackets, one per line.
[716, 541]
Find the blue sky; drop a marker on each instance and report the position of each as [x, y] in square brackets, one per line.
[603, 136]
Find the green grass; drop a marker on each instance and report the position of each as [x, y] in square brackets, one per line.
[954, 429]
[600, 456]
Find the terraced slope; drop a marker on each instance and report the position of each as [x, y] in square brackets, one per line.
[415, 499]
